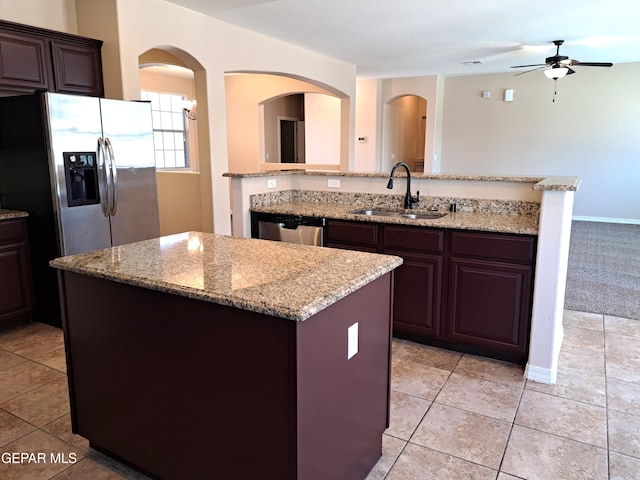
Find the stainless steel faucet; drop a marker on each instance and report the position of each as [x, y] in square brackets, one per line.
[408, 199]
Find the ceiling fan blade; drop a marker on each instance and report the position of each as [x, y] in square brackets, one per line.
[591, 64]
[570, 71]
[534, 65]
[532, 70]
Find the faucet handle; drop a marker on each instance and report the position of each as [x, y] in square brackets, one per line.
[415, 199]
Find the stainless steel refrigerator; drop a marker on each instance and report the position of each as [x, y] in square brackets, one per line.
[83, 168]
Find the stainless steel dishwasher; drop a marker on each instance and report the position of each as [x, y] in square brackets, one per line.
[288, 228]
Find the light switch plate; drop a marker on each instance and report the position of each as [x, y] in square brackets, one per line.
[271, 183]
[352, 340]
[333, 183]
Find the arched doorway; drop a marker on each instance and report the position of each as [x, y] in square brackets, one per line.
[405, 135]
[169, 76]
[257, 102]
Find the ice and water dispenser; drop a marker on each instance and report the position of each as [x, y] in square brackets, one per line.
[81, 173]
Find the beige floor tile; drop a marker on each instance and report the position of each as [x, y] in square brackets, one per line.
[57, 456]
[391, 448]
[8, 360]
[470, 436]
[12, 428]
[11, 336]
[581, 359]
[563, 417]
[61, 428]
[584, 338]
[420, 463]
[406, 414]
[494, 399]
[622, 326]
[593, 321]
[416, 379]
[506, 476]
[427, 355]
[55, 359]
[489, 369]
[622, 345]
[34, 345]
[536, 455]
[623, 396]
[624, 433]
[622, 367]
[623, 467]
[575, 385]
[41, 405]
[25, 377]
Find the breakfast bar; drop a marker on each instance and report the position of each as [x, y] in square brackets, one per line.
[198, 355]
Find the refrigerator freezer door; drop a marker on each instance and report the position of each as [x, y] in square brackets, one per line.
[74, 126]
[127, 129]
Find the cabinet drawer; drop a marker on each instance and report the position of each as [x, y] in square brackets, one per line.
[413, 238]
[12, 231]
[352, 233]
[503, 247]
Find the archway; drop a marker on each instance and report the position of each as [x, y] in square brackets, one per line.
[405, 132]
[185, 193]
[256, 101]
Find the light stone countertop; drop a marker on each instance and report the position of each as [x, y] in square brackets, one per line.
[274, 278]
[549, 182]
[480, 221]
[10, 214]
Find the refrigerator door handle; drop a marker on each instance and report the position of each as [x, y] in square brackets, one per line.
[103, 177]
[114, 177]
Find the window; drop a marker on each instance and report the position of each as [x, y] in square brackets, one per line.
[169, 129]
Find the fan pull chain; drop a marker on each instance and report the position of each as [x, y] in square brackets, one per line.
[555, 90]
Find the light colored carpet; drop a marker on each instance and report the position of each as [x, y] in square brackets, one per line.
[604, 269]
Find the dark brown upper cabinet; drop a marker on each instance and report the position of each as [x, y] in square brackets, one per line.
[33, 59]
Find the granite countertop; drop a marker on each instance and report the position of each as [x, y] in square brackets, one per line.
[274, 278]
[549, 182]
[480, 221]
[9, 214]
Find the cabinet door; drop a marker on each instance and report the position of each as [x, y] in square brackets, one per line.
[77, 69]
[23, 62]
[489, 305]
[16, 296]
[417, 294]
[352, 235]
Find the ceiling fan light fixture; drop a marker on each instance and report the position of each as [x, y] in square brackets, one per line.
[556, 72]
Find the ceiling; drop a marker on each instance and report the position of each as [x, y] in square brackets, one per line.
[397, 38]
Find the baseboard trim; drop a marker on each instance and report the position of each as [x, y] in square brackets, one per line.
[631, 221]
[541, 375]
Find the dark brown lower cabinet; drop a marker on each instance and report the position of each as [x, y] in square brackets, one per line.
[466, 290]
[16, 290]
[489, 305]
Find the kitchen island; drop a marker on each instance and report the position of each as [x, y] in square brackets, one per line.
[204, 356]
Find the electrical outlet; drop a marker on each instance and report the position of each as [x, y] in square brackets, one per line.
[352, 340]
[333, 183]
[271, 183]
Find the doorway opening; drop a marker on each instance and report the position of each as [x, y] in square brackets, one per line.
[406, 134]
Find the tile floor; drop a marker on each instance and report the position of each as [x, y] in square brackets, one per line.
[454, 416]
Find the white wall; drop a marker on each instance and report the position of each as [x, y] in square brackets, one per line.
[322, 129]
[368, 126]
[591, 130]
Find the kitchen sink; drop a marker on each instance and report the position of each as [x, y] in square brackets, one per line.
[423, 216]
[396, 213]
[377, 213]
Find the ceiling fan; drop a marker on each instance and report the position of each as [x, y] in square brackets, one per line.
[557, 66]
